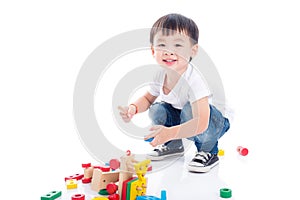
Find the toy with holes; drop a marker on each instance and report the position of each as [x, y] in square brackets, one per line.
[51, 195]
[71, 184]
[163, 196]
[126, 172]
[242, 150]
[88, 172]
[225, 193]
[138, 186]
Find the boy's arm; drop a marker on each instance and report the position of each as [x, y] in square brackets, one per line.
[143, 103]
[199, 122]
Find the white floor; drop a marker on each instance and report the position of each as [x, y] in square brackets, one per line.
[180, 184]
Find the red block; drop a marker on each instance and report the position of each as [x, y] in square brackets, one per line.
[76, 176]
[242, 150]
[114, 164]
[86, 180]
[78, 197]
[86, 165]
[111, 188]
[114, 197]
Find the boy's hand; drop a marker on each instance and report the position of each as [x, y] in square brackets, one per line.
[160, 135]
[127, 112]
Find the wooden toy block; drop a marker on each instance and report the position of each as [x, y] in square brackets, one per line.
[75, 176]
[71, 184]
[114, 164]
[242, 150]
[114, 197]
[86, 165]
[221, 152]
[163, 196]
[149, 140]
[122, 177]
[78, 197]
[51, 195]
[138, 188]
[127, 163]
[103, 168]
[124, 187]
[128, 188]
[101, 179]
[88, 172]
[86, 180]
[111, 188]
[225, 193]
[100, 198]
[142, 167]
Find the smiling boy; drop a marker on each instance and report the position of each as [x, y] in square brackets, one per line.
[184, 110]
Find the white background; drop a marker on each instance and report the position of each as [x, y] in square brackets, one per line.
[255, 46]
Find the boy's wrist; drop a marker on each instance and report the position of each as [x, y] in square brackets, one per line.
[135, 106]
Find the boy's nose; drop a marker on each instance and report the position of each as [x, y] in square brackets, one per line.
[167, 52]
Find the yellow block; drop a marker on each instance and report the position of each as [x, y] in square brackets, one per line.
[99, 198]
[221, 152]
[138, 188]
[71, 184]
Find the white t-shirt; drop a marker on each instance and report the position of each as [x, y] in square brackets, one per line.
[190, 87]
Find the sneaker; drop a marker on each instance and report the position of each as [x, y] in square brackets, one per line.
[164, 151]
[203, 162]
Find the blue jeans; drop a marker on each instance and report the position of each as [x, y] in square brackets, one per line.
[162, 113]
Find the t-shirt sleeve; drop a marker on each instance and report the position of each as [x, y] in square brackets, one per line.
[155, 85]
[198, 88]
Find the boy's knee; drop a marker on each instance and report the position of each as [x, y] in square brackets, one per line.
[158, 114]
[186, 113]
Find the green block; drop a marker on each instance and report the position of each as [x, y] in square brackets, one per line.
[128, 188]
[51, 195]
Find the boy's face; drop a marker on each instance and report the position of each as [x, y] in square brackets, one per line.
[173, 51]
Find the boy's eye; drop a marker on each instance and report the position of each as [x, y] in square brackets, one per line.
[161, 45]
[178, 45]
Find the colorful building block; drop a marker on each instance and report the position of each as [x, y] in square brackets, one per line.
[111, 188]
[149, 139]
[137, 188]
[163, 196]
[128, 188]
[114, 197]
[51, 195]
[78, 197]
[114, 164]
[221, 152]
[242, 150]
[124, 187]
[75, 176]
[100, 198]
[225, 193]
[86, 165]
[86, 180]
[71, 184]
[101, 179]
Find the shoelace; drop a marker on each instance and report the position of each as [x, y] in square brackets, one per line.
[161, 148]
[202, 156]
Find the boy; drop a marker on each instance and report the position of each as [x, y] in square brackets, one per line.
[184, 110]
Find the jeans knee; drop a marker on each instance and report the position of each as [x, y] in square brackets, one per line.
[186, 113]
[158, 114]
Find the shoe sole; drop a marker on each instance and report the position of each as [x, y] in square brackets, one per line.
[154, 158]
[202, 169]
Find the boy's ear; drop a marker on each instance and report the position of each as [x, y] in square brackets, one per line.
[195, 50]
[152, 50]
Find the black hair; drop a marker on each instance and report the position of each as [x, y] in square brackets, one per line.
[171, 23]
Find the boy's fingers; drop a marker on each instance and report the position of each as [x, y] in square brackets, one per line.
[122, 109]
